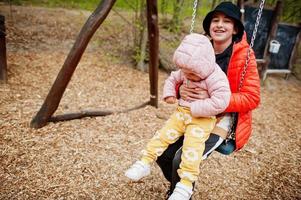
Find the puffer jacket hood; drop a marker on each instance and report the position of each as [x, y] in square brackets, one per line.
[195, 53]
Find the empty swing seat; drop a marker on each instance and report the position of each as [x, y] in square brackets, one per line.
[226, 148]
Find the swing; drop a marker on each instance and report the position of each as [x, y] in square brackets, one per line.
[228, 146]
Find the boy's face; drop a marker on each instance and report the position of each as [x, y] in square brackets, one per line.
[222, 28]
[191, 75]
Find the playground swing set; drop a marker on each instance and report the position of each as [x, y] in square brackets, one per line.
[44, 115]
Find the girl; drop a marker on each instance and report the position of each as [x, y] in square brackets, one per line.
[193, 119]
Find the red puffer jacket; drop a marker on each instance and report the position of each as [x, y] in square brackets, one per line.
[248, 97]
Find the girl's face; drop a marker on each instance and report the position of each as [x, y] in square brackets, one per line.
[190, 75]
[222, 28]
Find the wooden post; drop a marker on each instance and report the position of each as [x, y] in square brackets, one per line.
[241, 5]
[56, 92]
[3, 62]
[272, 35]
[153, 35]
[275, 20]
[293, 57]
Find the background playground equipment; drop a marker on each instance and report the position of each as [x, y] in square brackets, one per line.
[287, 35]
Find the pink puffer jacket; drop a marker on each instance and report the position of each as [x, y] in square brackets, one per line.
[196, 54]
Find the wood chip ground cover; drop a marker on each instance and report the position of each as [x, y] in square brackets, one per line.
[86, 159]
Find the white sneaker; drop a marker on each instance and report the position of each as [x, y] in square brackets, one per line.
[181, 192]
[137, 171]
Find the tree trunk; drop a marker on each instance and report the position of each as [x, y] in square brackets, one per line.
[141, 63]
[175, 22]
[164, 6]
[213, 4]
[141, 49]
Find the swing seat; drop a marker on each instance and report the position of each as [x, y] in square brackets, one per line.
[226, 148]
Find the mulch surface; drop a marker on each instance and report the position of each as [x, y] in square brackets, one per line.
[86, 158]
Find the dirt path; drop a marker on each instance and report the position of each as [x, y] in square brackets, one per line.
[85, 159]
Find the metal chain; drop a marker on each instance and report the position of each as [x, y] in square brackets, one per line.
[251, 44]
[231, 134]
[195, 6]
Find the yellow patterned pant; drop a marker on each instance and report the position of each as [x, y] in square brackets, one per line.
[195, 130]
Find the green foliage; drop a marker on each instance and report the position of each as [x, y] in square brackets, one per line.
[91, 4]
[291, 11]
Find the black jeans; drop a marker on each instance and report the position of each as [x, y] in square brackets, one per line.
[170, 160]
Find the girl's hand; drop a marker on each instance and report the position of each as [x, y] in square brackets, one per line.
[170, 100]
[192, 94]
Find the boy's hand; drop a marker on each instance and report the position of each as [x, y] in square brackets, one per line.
[170, 100]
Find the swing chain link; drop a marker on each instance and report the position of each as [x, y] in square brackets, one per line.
[231, 133]
[195, 6]
[251, 44]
